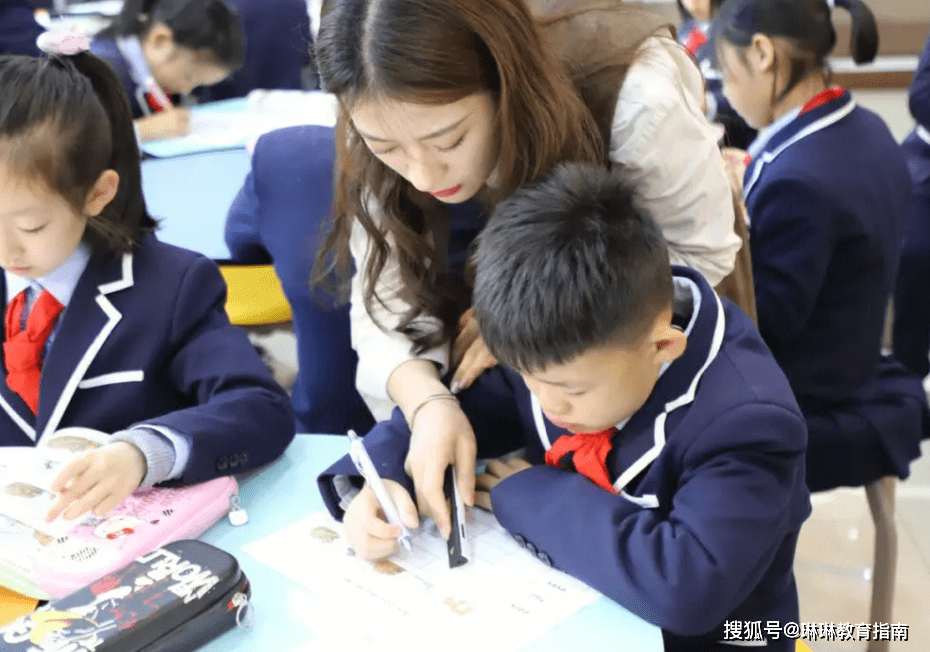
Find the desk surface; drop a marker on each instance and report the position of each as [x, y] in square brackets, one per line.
[285, 492]
[191, 195]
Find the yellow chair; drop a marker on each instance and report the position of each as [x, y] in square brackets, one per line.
[255, 296]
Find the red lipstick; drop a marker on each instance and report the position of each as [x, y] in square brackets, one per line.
[448, 192]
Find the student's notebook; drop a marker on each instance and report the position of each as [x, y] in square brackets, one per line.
[235, 123]
[49, 560]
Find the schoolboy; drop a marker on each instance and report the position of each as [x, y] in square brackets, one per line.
[673, 479]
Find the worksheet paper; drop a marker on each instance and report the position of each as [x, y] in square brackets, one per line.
[504, 598]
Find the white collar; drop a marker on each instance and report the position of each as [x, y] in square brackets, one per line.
[766, 133]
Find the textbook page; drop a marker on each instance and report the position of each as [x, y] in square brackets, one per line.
[413, 600]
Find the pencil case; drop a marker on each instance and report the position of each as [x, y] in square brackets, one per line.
[40, 562]
[174, 599]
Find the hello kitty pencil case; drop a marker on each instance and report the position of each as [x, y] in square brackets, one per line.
[49, 560]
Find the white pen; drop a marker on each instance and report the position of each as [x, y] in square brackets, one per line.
[367, 468]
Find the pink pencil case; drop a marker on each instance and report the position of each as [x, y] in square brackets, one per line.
[40, 563]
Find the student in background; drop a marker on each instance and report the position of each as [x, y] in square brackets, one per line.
[18, 28]
[828, 195]
[448, 106]
[106, 327]
[164, 48]
[278, 44]
[664, 449]
[696, 18]
[911, 304]
[278, 218]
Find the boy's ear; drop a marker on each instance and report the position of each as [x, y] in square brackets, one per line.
[102, 193]
[761, 53]
[669, 341]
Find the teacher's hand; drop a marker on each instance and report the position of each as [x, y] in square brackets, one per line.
[470, 355]
[441, 437]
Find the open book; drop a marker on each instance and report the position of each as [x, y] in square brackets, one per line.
[49, 560]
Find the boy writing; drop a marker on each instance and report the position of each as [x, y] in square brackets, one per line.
[664, 449]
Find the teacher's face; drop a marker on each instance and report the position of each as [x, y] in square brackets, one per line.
[447, 150]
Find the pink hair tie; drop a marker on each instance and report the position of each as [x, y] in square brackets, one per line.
[63, 43]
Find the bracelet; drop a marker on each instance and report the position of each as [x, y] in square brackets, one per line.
[432, 397]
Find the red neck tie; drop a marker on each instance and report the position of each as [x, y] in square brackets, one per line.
[23, 348]
[589, 455]
[695, 41]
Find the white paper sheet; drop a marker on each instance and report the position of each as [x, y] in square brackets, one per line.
[414, 599]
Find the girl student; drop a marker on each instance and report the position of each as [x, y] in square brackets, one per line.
[693, 34]
[447, 106]
[106, 327]
[165, 48]
[912, 310]
[828, 192]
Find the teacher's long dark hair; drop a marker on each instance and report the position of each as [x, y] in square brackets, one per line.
[555, 95]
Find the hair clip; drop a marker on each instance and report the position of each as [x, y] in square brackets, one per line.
[62, 43]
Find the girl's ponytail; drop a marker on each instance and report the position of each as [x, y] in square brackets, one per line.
[863, 42]
[132, 19]
[125, 217]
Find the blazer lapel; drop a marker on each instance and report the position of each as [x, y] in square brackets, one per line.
[798, 128]
[85, 325]
[11, 402]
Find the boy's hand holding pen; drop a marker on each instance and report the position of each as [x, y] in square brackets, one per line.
[379, 501]
[368, 534]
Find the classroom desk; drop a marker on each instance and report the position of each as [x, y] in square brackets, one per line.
[191, 195]
[286, 491]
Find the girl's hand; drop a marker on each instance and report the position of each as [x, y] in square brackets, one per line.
[496, 472]
[170, 123]
[470, 355]
[441, 437]
[368, 531]
[98, 481]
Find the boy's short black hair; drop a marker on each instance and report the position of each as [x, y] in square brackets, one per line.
[566, 264]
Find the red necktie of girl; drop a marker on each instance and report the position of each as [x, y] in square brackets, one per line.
[23, 347]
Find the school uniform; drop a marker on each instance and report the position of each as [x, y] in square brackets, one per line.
[695, 38]
[108, 50]
[828, 194]
[144, 344]
[708, 493]
[18, 28]
[912, 310]
[278, 43]
[278, 217]
[126, 58]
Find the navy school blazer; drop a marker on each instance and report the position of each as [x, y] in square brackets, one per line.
[917, 144]
[278, 217]
[278, 43]
[710, 475]
[145, 340]
[828, 198]
[736, 132]
[106, 49]
[18, 28]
